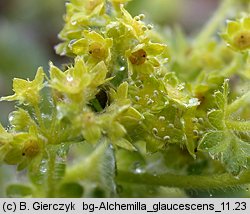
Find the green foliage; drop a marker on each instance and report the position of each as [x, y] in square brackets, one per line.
[134, 105]
[222, 142]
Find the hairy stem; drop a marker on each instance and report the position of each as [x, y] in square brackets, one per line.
[237, 104]
[238, 125]
[185, 181]
[51, 169]
[39, 116]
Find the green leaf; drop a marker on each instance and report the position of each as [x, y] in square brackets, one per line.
[216, 118]
[220, 99]
[232, 152]
[210, 140]
[236, 156]
[18, 191]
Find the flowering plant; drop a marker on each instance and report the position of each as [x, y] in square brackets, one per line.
[136, 113]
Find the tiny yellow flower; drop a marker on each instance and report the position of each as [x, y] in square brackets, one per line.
[237, 34]
[134, 26]
[72, 81]
[23, 147]
[94, 45]
[26, 91]
[146, 56]
[77, 80]
[91, 128]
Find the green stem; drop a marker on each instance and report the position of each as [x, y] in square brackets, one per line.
[39, 116]
[214, 23]
[185, 181]
[238, 125]
[53, 134]
[237, 104]
[50, 178]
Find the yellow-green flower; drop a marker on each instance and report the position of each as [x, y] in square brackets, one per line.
[134, 26]
[5, 140]
[77, 80]
[146, 56]
[94, 45]
[237, 34]
[80, 15]
[91, 127]
[110, 124]
[72, 81]
[26, 91]
[21, 148]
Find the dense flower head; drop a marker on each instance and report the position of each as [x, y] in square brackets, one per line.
[121, 102]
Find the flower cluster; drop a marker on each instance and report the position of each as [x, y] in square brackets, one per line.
[123, 93]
